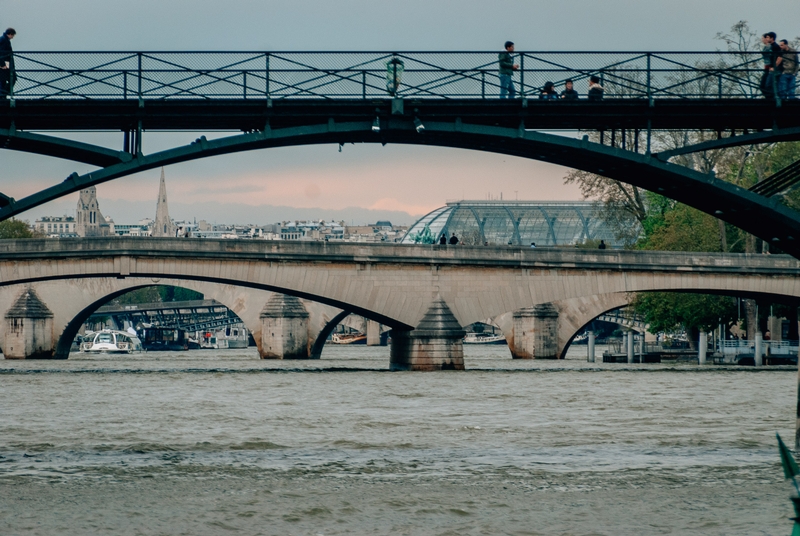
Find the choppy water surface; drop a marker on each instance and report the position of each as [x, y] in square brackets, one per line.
[221, 442]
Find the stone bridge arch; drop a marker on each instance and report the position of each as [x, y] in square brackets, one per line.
[72, 301]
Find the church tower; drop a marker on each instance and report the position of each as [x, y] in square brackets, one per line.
[163, 226]
[89, 221]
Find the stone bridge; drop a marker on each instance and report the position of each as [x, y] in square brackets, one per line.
[426, 294]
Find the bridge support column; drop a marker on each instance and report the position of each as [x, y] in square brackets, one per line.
[630, 347]
[523, 330]
[590, 348]
[757, 350]
[29, 329]
[702, 348]
[284, 328]
[536, 333]
[373, 333]
[435, 344]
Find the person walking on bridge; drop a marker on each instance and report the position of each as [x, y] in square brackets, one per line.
[506, 70]
[788, 82]
[772, 65]
[7, 74]
[453, 240]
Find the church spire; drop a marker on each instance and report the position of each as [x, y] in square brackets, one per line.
[163, 226]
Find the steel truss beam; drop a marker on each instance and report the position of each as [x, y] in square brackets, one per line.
[763, 217]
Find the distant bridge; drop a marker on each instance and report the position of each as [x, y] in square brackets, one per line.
[626, 318]
[191, 315]
[276, 99]
[428, 290]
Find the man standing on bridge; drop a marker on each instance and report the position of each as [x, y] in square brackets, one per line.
[772, 65]
[7, 74]
[788, 81]
[507, 68]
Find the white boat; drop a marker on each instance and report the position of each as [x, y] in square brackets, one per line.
[111, 342]
[484, 338]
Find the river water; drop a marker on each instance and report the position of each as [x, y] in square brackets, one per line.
[219, 442]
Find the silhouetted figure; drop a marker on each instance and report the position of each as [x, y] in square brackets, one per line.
[443, 240]
[453, 240]
[8, 76]
[602, 245]
[595, 89]
[569, 92]
[533, 244]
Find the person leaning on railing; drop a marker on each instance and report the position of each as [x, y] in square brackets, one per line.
[787, 83]
[7, 75]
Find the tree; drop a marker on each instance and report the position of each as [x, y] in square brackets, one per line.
[14, 228]
[666, 225]
[668, 311]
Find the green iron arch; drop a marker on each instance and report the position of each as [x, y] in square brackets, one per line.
[756, 214]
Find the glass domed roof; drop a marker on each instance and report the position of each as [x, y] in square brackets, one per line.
[514, 222]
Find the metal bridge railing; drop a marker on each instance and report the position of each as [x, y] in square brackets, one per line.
[364, 75]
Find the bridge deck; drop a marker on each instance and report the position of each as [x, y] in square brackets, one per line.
[363, 254]
[253, 114]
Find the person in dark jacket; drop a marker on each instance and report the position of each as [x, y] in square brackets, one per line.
[443, 240]
[569, 92]
[453, 240]
[506, 68]
[549, 91]
[7, 75]
[595, 89]
[788, 81]
[602, 245]
[773, 58]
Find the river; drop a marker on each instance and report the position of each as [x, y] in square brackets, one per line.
[219, 442]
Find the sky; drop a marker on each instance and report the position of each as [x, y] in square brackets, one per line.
[362, 183]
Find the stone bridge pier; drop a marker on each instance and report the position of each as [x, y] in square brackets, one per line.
[435, 344]
[545, 331]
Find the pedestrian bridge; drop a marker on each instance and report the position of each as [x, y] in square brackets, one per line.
[447, 99]
[416, 290]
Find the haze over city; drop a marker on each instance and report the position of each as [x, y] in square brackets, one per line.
[363, 182]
